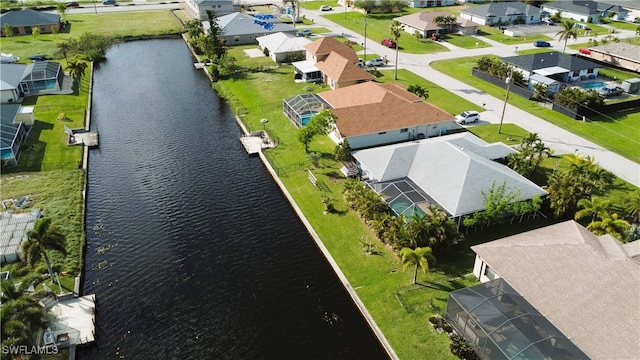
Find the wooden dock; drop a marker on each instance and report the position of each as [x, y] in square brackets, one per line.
[255, 142]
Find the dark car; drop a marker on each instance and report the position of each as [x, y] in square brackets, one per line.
[38, 57]
[388, 43]
[72, 4]
[609, 91]
[109, 2]
[541, 43]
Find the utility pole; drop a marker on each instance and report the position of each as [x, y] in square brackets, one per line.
[504, 107]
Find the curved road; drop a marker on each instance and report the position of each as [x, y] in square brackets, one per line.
[560, 140]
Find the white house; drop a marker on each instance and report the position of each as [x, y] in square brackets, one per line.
[424, 24]
[198, 8]
[450, 171]
[502, 13]
[586, 10]
[283, 47]
[371, 114]
[554, 65]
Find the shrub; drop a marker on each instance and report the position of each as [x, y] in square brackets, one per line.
[460, 348]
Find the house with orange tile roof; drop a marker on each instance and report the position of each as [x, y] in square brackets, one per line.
[330, 61]
[372, 114]
[424, 24]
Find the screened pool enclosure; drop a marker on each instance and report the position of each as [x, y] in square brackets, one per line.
[403, 197]
[301, 108]
[501, 324]
[42, 76]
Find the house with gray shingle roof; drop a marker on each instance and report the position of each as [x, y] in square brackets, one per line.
[557, 66]
[242, 29]
[198, 8]
[574, 278]
[24, 20]
[10, 77]
[284, 47]
[502, 13]
[450, 171]
[585, 10]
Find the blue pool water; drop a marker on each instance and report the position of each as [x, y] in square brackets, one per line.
[306, 116]
[592, 85]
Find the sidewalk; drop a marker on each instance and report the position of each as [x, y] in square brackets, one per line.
[558, 139]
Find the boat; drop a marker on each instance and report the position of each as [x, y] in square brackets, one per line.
[8, 58]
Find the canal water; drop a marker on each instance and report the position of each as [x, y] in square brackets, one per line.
[193, 252]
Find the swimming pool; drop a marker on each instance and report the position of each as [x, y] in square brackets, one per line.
[592, 84]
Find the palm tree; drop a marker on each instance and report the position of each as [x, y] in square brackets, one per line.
[64, 48]
[396, 31]
[42, 237]
[568, 31]
[612, 225]
[21, 314]
[447, 21]
[294, 17]
[421, 257]
[76, 69]
[632, 205]
[418, 90]
[595, 207]
[61, 8]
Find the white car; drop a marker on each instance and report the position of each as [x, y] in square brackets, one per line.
[325, 8]
[468, 117]
[375, 62]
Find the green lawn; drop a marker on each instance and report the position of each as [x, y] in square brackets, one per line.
[465, 41]
[400, 309]
[496, 34]
[378, 26]
[116, 24]
[438, 96]
[621, 135]
[621, 24]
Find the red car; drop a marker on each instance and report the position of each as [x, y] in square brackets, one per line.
[388, 43]
[71, 4]
[585, 51]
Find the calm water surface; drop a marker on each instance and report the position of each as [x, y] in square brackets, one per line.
[193, 252]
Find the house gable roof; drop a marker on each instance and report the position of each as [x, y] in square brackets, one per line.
[622, 50]
[11, 75]
[550, 59]
[503, 9]
[340, 69]
[585, 8]
[372, 107]
[452, 175]
[242, 24]
[28, 17]
[324, 46]
[422, 20]
[283, 42]
[576, 279]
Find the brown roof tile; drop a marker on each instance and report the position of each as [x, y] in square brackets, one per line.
[340, 69]
[324, 46]
[371, 107]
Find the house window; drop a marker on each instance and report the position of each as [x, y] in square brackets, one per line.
[489, 273]
[382, 133]
[404, 130]
[590, 71]
[236, 38]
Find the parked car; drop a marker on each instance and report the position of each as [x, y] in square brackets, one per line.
[109, 2]
[325, 8]
[388, 43]
[584, 51]
[436, 37]
[375, 62]
[38, 57]
[548, 21]
[541, 43]
[305, 32]
[609, 91]
[468, 117]
[72, 4]
[360, 63]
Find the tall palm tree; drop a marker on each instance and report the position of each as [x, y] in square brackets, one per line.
[595, 207]
[568, 31]
[421, 257]
[76, 69]
[42, 237]
[396, 31]
[293, 3]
